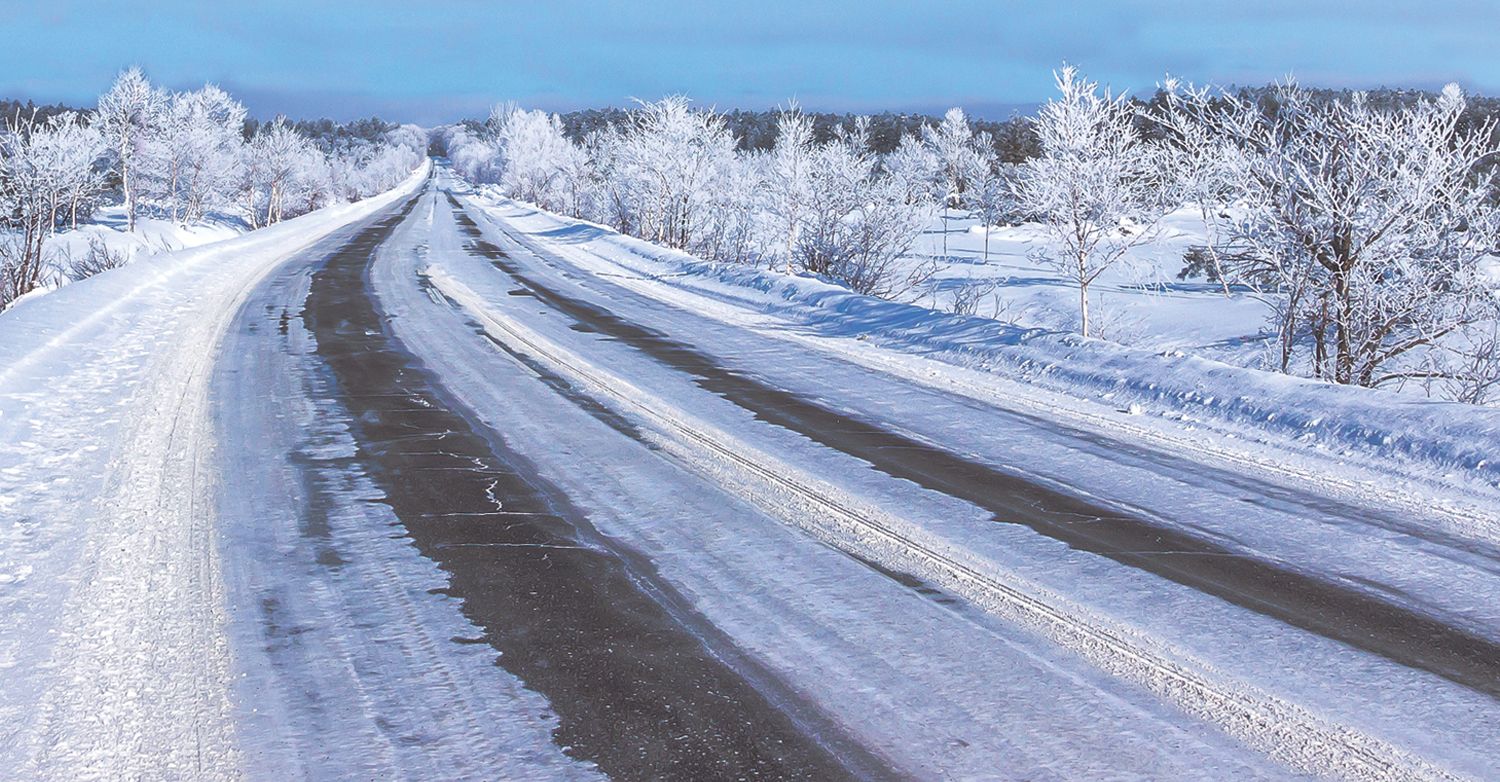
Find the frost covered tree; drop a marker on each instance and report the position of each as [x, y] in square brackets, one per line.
[363, 168]
[671, 174]
[1373, 228]
[952, 145]
[182, 153]
[734, 208]
[989, 193]
[534, 156]
[68, 152]
[614, 201]
[913, 169]
[788, 179]
[673, 156]
[28, 191]
[126, 115]
[577, 177]
[189, 162]
[47, 169]
[283, 175]
[475, 155]
[1203, 161]
[1094, 186]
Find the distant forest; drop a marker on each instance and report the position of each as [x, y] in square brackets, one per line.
[1013, 138]
[327, 134]
[756, 130]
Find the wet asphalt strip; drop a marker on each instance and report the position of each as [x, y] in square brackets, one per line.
[1314, 604]
[642, 686]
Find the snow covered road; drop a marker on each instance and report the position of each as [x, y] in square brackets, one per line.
[456, 495]
[112, 650]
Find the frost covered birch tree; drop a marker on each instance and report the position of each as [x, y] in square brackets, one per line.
[952, 145]
[989, 193]
[126, 115]
[1094, 186]
[189, 160]
[280, 170]
[789, 177]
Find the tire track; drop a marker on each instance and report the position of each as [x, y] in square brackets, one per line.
[1282, 729]
[641, 686]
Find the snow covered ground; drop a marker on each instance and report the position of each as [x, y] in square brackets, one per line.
[153, 234]
[1138, 302]
[112, 651]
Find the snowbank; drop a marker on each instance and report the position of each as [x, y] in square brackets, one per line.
[151, 237]
[1353, 422]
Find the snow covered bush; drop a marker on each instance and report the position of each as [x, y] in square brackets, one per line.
[97, 258]
[859, 224]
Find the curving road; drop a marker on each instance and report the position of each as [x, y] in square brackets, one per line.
[496, 506]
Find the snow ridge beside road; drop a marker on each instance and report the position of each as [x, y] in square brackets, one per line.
[1434, 460]
[114, 658]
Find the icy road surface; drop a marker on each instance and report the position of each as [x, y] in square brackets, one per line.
[448, 495]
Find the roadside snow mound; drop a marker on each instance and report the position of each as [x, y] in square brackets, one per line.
[1345, 420]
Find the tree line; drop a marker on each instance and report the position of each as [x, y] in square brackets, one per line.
[175, 155]
[1366, 222]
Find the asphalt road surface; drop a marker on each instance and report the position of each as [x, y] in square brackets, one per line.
[489, 512]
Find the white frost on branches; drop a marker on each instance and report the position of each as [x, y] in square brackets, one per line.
[1369, 232]
[176, 155]
[1095, 185]
[1374, 229]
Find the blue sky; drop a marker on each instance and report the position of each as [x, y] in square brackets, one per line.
[438, 60]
